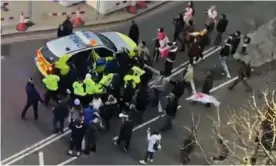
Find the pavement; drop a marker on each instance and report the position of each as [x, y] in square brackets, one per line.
[34, 136]
[44, 21]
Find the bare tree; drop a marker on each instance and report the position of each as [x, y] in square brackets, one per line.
[247, 136]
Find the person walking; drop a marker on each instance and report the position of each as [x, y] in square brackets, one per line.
[170, 60]
[189, 12]
[244, 72]
[194, 51]
[76, 112]
[154, 144]
[33, 98]
[178, 29]
[134, 32]
[207, 85]
[125, 132]
[142, 101]
[221, 28]
[108, 110]
[189, 77]
[246, 41]
[223, 56]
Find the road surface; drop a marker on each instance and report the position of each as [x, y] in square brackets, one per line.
[18, 66]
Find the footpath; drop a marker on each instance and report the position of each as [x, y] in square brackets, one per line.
[47, 15]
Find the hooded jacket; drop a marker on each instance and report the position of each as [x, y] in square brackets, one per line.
[189, 75]
[152, 139]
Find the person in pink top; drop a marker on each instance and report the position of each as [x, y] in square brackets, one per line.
[189, 12]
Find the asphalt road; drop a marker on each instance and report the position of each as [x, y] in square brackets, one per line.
[18, 65]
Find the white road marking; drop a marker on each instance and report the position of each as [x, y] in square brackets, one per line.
[41, 158]
[67, 161]
[27, 153]
[224, 84]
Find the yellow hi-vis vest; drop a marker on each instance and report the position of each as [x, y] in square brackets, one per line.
[78, 89]
[89, 86]
[98, 88]
[137, 71]
[131, 78]
[51, 82]
[106, 80]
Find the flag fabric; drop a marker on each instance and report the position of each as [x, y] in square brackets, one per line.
[203, 98]
[164, 51]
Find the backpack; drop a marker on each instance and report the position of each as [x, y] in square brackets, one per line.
[157, 146]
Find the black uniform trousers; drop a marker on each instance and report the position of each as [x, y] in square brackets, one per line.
[124, 138]
[167, 123]
[75, 143]
[90, 141]
[27, 106]
[51, 95]
[60, 121]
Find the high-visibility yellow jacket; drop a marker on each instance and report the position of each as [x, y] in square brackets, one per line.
[78, 89]
[89, 86]
[51, 82]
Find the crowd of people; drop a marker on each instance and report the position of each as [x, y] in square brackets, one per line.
[90, 104]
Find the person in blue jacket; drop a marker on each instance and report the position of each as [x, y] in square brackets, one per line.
[33, 97]
[90, 114]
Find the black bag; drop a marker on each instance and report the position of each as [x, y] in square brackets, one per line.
[157, 146]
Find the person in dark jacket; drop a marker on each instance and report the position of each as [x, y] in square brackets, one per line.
[134, 32]
[207, 85]
[243, 75]
[170, 60]
[236, 42]
[224, 54]
[77, 134]
[246, 41]
[178, 88]
[33, 98]
[60, 111]
[60, 31]
[188, 39]
[108, 110]
[142, 101]
[178, 29]
[221, 28]
[67, 26]
[194, 51]
[170, 110]
[125, 132]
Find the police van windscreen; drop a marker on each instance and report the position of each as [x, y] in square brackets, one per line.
[48, 55]
[107, 42]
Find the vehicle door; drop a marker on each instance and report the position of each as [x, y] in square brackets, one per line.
[81, 62]
[104, 54]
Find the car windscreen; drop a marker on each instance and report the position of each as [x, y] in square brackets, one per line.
[48, 55]
[107, 42]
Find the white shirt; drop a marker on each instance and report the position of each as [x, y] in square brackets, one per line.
[97, 103]
[212, 13]
[152, 140]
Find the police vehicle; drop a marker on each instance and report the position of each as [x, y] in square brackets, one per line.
[82, 49]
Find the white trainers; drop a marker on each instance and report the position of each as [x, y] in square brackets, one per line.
[228, 76]
[142, 162]
[151, 160]
[70, 152]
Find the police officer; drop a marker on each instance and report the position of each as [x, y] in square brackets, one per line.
[224, 54]
[79, 91]
[134, 32]
[171, 110]
[178, 29]
[207, 85]
[246, 41]
[236, 42]
[244, 72]
[60, 111]
[33, 98]
[89, 86]
[77, 134]
[170, 60]
[125, 132]
[51, 82]
[221, 27]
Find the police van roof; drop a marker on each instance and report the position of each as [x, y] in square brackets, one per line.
[74, 42]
